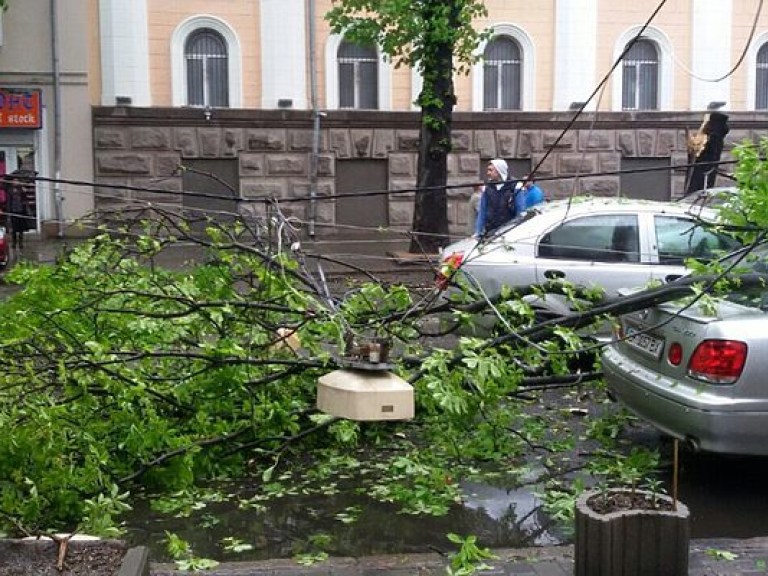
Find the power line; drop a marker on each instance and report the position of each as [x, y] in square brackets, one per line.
[601, 84]
[362, 193]
[740, 60]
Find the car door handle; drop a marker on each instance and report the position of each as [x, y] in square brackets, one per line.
[554, 274]
[672, 277]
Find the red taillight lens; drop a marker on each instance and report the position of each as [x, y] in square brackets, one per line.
[675, 354]
[448, 266]
[718, 361]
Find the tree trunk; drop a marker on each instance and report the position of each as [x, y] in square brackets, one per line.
[430, 213]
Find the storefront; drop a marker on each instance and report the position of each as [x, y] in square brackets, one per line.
[21, 123]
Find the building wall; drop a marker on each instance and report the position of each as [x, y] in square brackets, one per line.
[572, 44]
[26, 62]
[701, 40]
[143, 148]
[242, 16]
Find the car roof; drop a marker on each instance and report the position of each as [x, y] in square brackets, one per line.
[587, 203]
[593, 204]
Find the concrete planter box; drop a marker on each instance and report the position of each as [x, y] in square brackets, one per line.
[631, 542]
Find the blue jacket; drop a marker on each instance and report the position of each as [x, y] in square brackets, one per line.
[527, 197]
[496, 207]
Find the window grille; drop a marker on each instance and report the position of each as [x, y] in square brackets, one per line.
[502, 85]
[640, 78]
[358, 76]
[761, 80]
[205, 53]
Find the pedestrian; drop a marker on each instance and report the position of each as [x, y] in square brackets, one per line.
[18, 211]
[3, 200]
[496, 199]
[527, 195]
[474, 208]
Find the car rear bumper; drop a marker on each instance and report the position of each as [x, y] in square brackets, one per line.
[724, 426]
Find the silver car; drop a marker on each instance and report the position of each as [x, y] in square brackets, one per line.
[611, 243]
[698, 373]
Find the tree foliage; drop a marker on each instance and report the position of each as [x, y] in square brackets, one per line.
[124, 375]
[437, 38]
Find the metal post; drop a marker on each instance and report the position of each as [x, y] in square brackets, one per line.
[315, 117]
[58, 200]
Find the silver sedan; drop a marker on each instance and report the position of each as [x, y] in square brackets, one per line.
[698, 373]
[611, 243]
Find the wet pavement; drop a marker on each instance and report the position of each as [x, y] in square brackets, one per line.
[711, 557]
[708, 556]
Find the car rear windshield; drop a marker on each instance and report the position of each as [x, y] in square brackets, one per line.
[747, 261]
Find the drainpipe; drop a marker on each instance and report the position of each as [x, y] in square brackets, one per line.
[315, 117]
[57, 198]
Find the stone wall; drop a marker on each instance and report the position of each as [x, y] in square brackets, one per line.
[137, 152]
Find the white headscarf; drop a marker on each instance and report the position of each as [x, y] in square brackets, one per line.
[501, 167]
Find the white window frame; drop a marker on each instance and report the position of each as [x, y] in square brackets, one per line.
[527, 74]
[637, 67]
[498, 68]
[666, 79]
[754, 48]
[332, 76]
[178, 60]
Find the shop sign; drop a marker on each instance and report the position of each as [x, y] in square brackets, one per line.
[20, 108]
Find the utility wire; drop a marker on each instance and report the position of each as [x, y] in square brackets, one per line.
[75, 184]
[602, 83]
[739, 62]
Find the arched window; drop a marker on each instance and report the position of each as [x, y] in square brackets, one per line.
[640, 78]
[502, 86]
[358, 76]
[761, 79]
[205, 54]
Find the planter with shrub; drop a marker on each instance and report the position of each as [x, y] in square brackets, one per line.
[630, 532]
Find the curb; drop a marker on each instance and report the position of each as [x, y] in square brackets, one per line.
[135, 562]
[536, 561]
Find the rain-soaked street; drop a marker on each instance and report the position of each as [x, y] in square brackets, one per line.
[726, 497]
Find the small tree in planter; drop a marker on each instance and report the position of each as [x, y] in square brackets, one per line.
[622, 529]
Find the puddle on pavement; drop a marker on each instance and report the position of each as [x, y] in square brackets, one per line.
[499, 517]
[726, 497]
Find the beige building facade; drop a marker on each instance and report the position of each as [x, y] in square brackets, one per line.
[566, 51]
[262, 94]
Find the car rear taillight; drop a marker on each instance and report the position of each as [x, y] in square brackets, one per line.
[718, 361]
[448, 266]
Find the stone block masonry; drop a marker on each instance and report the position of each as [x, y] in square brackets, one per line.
[274, 148]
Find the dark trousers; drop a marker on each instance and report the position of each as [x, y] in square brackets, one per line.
[18, 227]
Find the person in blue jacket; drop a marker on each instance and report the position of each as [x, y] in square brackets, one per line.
[527, 194]
[496, 200]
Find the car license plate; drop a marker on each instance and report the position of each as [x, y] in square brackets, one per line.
[644, 342]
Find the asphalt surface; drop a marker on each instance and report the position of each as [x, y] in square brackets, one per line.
[707, 557]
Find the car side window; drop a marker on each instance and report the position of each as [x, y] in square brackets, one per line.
[605, 238]
[680, 238]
